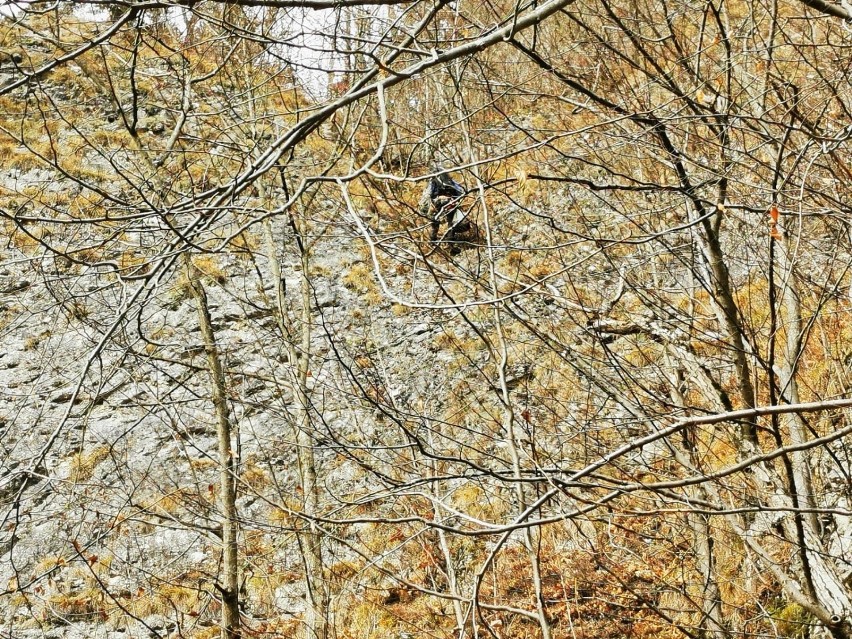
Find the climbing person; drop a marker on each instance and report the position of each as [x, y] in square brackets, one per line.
[441, 200]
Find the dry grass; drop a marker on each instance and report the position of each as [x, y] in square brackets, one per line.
[211, 268]
[110, 139]
[174, 502]
[25, 241]
[203, 464]
[262, 587]
[49, 563]
[83, 464]
[255, 477]
[32, 342]
[282, 516]
[80, 605]
[245, 243]
[359, 278]
[7, 152]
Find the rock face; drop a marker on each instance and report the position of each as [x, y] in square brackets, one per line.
[109, 467]
[524, 423]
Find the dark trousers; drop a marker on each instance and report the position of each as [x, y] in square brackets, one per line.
[447, 209]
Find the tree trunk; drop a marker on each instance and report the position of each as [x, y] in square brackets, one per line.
[230, 589]
[711, 599]
[724, 298]
[316, 624]
[820, 573]
[712, 622]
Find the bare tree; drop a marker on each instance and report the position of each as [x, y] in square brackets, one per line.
[615, 403]
[227, 461]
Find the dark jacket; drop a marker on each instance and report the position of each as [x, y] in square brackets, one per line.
[444, 186]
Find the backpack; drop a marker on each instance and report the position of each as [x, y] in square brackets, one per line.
[445, 186]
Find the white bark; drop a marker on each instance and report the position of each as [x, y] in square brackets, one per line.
[820, 571]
